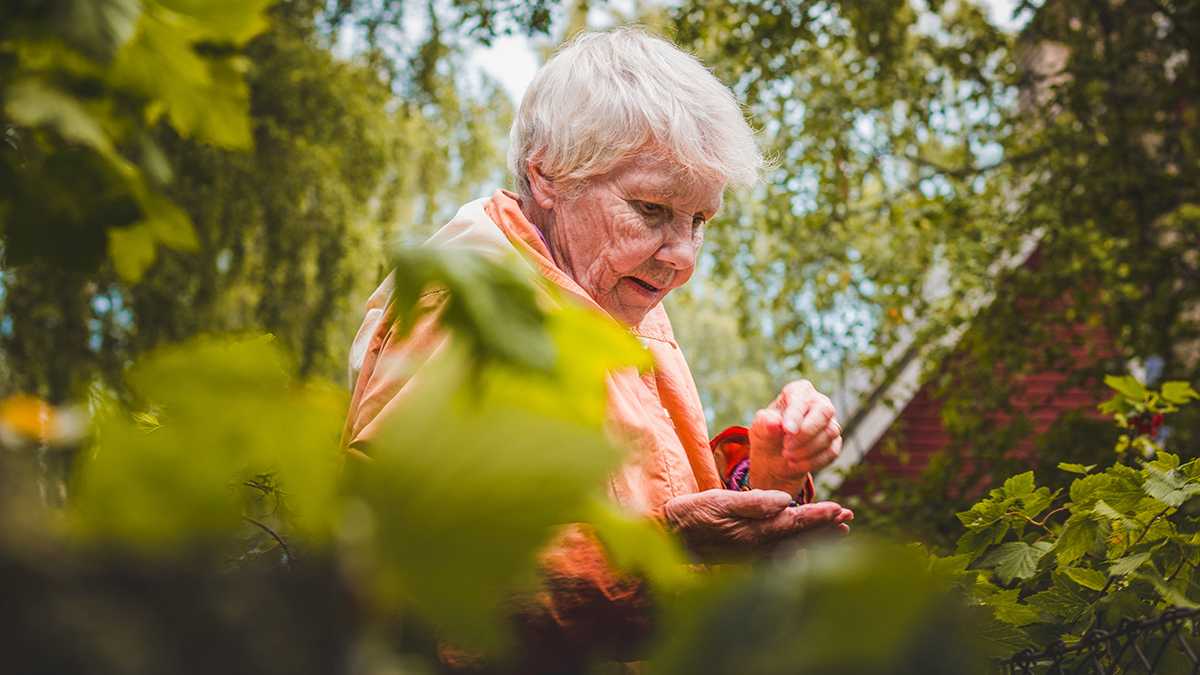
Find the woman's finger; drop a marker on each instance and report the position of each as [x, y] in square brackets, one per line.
[793, 415]
[794, 450]
[816, 418]
[755, 504]
[818, 461]
[767, 428]
[797, 520]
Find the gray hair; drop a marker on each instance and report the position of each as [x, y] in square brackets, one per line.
[606, 95]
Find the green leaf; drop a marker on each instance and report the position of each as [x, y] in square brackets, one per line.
[234, 21]
[132, 250]
[490, 304]
[1171, 594]
[1103, 509]
[1122, 566]
[170, 224]
[1064, 601]
[32, 103]
[1119, 486]
[1076, 468]
[1004, 602]
[1178, 392]
[228, 412]
[494, 461]
[1015, 559]
[998, 639]
[1169, 487]
[100, 27]
[1034, 503]
[204, 97]
[949, 566]
[1081, 533]
[1019, 485]
[1088, 578]
[1128, 386]
[1114, 405]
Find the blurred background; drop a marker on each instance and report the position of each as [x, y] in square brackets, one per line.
[975, 211]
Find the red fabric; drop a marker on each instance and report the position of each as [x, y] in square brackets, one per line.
[729, 448]
[732, 446]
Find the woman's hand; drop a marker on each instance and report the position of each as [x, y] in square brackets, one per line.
[720, 525]
[795, 435]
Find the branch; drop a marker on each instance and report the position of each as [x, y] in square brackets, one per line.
[287, 552]
[964, 171]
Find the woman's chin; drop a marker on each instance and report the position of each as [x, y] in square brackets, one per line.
[630, 302]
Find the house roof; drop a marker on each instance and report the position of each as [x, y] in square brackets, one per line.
[871, 402]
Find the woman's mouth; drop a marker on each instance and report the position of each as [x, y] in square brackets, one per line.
[642, 289]
[648, 287]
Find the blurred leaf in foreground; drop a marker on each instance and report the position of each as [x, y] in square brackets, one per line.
[499, 442]
[227, 411]
[849, 607]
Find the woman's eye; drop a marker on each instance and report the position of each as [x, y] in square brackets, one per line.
[649, 208]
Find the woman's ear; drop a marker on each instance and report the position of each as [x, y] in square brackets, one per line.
[541, 187]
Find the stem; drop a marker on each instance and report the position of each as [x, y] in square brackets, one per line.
[1031, 521]
[287, 552]
[1046, 517]
[1178, 569]
[1146, 530]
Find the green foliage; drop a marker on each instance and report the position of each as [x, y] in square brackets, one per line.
[213, 415]
[1139, 411]
[83, 100]
[286, 237]
[875, 116]
[494, 453]
[467, 482]
[1124, 540]
[492, 305]
[485, 481]
[838, 609]
[485, 460]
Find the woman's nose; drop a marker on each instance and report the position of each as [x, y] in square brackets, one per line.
[678, 250]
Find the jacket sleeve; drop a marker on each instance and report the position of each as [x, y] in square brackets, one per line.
[383, 361]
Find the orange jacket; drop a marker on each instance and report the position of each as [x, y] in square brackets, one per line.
[656, 415]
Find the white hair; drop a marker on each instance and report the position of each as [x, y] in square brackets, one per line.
[605, 96]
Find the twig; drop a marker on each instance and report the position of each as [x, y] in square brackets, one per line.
[1027, 518]
[287, 552]
[1046, 517]
[1178, 569]
[1146, 531]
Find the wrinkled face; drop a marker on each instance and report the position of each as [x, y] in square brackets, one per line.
[632, 235]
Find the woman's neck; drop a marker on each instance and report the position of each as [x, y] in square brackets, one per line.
[543, 220]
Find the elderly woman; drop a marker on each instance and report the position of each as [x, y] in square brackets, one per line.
[621, 151]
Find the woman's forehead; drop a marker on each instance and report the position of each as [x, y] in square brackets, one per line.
[666, 181]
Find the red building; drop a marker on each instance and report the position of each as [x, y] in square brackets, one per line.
[896, 424]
